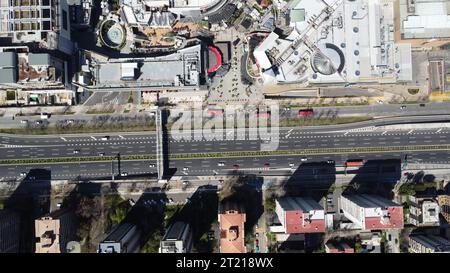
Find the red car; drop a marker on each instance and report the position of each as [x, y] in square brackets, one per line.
[236, 167]
[215, 112]
[266, 166]
[305, 112]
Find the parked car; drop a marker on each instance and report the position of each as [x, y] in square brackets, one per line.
[38, 121]
[422, 105]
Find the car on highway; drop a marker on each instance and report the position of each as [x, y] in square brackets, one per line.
[105, 138]
[124, 174]
[24, 121]
[422, 105]
[221, 164]
[151, 165]
[23, 174]
[185, 185]
[330, 161]
[76, 151]
[403, 107]
[236, 166]
[220, 181]
[38, 121]
[291, 165]
[185, 169]
[303, 159]
[101, 154]
[70, 121]
[266, 166]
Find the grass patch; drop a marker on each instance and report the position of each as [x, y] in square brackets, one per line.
[100, 112]
[83, 129]
[10, 95]
[320, 121]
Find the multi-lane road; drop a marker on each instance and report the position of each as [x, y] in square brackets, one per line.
[319, 139]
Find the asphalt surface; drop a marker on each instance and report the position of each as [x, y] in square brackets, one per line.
[379, 110]
[343, 136]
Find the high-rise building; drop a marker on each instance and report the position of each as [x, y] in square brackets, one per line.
[9, 231]
[371, 211]
[124, 238]
[231, 221]
[444, 206]
[300, 215]
[54, 231]
[44, 21]
[423, 211]
[428, 244]
[178, 239]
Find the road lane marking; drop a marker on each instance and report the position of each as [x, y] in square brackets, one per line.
[121, 137]
[63, 139]
[439, 130]
[93, 138]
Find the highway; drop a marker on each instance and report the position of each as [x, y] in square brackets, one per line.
[210, 166]
[318, 138]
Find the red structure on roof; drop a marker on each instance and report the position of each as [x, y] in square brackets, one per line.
[218, 57]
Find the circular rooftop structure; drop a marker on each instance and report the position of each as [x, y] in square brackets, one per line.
[112, 33]
[328, 59]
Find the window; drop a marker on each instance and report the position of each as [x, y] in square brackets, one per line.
[64, 20]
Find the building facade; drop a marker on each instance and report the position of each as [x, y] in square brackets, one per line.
[444, 207]
[370, 212]
[178, 239]
[428, 244]
[10, 228]
[300, 215]
[124, 238]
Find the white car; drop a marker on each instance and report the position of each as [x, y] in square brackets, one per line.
[151, 165]
[76, 151]
[23, 174]
[221, 164]
[70, 121]
[124, 174]
[101, 154]
[303, 159]
[24, 121]
[105, 138]
[185, 169]
[291, 165]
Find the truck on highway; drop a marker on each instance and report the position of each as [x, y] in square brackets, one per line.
[305, 112]
[354, 163]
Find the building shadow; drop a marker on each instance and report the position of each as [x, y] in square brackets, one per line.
[31, 199]
[374, 177]
[200, 211]
[313, 179]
